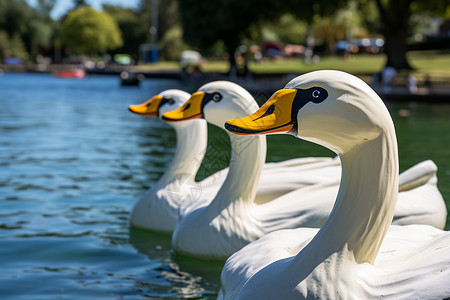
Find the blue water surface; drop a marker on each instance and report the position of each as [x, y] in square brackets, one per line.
[73, 161]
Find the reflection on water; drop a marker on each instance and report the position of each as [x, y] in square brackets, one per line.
[423, 132]
[177, 275]
[73, 161]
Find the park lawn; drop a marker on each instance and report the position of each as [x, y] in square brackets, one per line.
[159, 66]
[215, 66]
[361, 64]
[432, 63]
[425, 63]
[357, 64]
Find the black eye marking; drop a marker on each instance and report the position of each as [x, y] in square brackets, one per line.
[268, 112]
[314, 94]
[163, 101]
[216, 97]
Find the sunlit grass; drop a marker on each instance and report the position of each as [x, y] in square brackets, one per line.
[357, 64]
[431, 62]
[161, 65]
[425, 63]
[215, 66]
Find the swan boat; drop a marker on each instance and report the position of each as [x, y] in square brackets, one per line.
[235, 217]
[356, 254]
[177, 192]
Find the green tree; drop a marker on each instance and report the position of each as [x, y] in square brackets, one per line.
[172, 44]
[169, 27]
[391, 18]
[45, 7]
[168, 16]
[25, 26]
[344, 24]
[133, 33]
[12, 46]
[288, 29]
[395, 17]
[89, 31]
[230, 21]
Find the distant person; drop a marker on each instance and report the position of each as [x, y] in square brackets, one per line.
[387, 77]
[411, 82]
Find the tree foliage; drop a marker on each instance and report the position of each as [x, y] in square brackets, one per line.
[26, 29]
[167, 12]
[205, 22]
[344, 24]
[395, 18]
[229, 21]
[133, 33]
[288, 29]
[13, 46]
[45, 7]
[89, 31]
[169, 27]
[172, 44]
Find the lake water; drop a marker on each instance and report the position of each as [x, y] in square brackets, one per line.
[73, 161]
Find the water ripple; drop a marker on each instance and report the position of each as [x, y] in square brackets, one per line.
[73, 161]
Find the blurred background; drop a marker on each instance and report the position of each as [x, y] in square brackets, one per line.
[74, 160]
[187, 38]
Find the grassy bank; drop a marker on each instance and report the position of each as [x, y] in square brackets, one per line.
[433, 65]
[358, 64]
[431, 62]
[426, 64]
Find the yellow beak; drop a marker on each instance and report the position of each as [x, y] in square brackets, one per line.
[192, 109]
[148, 108]
[273, 117]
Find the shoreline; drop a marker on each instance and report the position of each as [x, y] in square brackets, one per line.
[434, 90]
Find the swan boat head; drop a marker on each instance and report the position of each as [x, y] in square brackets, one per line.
[329, 108]
[216, 102]
[217, 230]
[159, 208]
[341, 112]
[156, 106]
